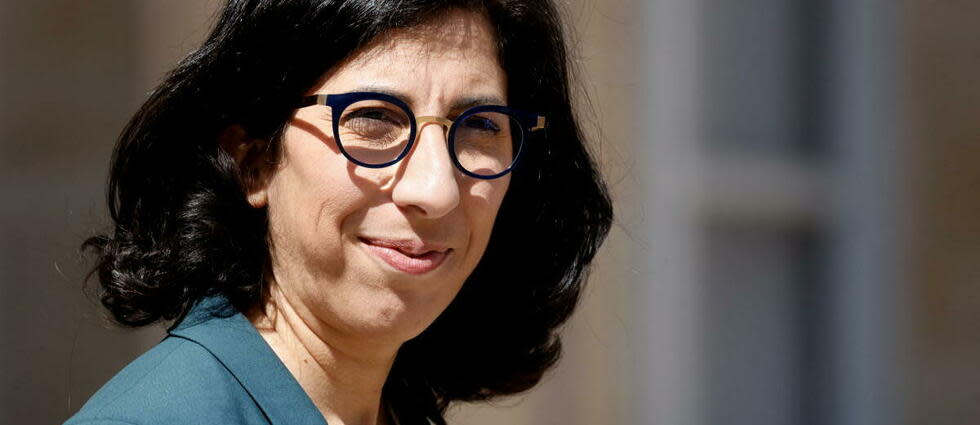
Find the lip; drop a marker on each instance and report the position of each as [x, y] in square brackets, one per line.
[407, 256]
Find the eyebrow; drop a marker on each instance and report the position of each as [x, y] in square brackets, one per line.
[458, 105]
[469, 102]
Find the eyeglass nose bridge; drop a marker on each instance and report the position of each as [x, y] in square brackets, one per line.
[444, 122]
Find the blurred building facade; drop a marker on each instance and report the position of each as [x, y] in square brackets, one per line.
[798, 235]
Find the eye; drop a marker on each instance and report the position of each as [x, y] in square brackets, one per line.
[382, 115]
[479, 123]
[372, 125]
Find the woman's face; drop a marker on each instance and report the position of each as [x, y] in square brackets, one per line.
[380, 253]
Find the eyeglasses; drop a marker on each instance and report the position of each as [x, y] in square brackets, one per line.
[376, 130]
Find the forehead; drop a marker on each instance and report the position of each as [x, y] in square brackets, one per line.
[457, 47]
[455, 34]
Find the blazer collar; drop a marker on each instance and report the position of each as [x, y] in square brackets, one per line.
[230, 337]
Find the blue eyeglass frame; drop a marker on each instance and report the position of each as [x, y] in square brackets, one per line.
[529, 123]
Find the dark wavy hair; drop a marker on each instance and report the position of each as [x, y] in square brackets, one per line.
[183, 228]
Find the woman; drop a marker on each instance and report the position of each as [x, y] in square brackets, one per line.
[353, 211]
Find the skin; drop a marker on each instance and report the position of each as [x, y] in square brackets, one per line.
[336, 313]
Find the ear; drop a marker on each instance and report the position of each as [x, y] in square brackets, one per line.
[248, 153]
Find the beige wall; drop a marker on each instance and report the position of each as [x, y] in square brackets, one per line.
[943, 109]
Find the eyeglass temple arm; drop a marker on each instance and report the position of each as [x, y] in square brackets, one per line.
[539, 125]
[317, 99]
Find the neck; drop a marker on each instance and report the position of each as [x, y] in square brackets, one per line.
[343, 377]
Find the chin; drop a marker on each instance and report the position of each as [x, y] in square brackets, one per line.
[397, 316]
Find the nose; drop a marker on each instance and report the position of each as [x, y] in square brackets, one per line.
[428, 180]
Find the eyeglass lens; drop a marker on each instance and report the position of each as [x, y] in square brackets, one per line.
[376, 132]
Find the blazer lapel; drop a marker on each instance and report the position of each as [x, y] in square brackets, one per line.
[232, 339]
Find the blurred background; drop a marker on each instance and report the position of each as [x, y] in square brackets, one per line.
[797, 185]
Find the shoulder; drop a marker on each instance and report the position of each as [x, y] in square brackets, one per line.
[177, 381]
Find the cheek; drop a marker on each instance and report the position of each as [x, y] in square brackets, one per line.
[483, 203]
[311, 199]
[487, 195]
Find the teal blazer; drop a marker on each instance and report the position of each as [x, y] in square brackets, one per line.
[212, 368]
